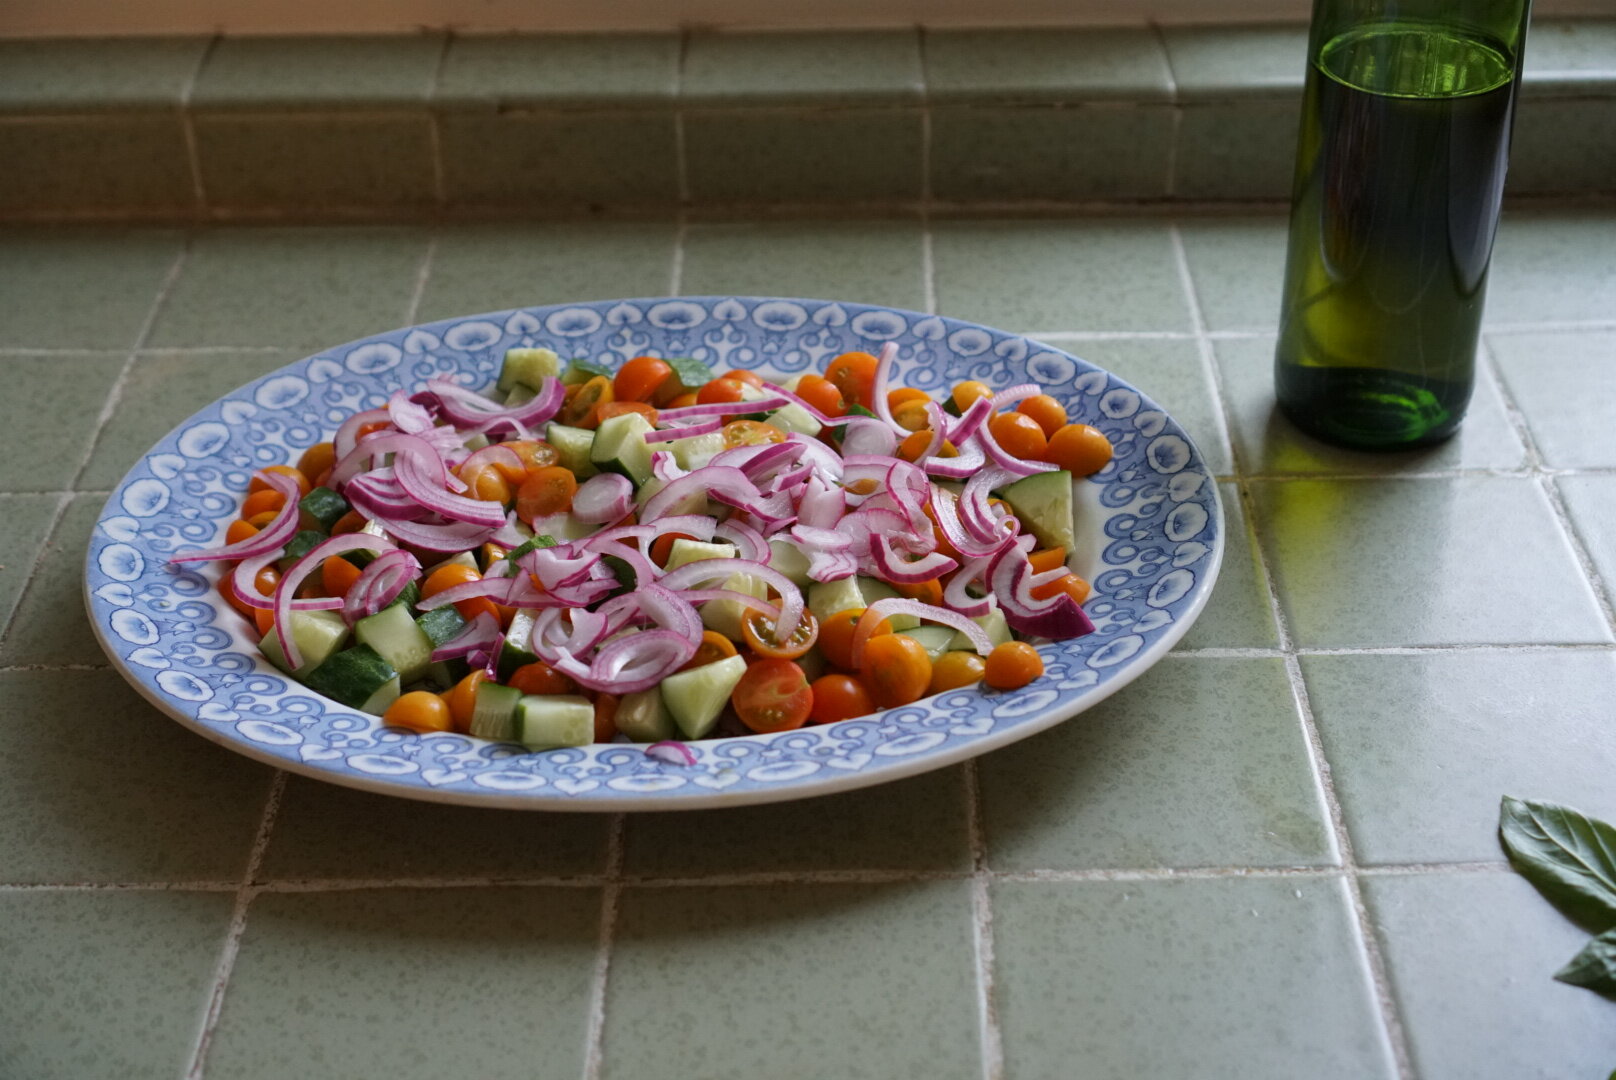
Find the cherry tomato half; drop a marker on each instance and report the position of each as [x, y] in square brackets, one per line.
[759, 634]
[640, 378]
[773, 695]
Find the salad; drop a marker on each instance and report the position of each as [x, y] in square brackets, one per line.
[665, 552]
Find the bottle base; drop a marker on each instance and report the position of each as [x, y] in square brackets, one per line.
[1370, 408]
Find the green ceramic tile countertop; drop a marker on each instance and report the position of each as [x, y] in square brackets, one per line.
[1247, 863]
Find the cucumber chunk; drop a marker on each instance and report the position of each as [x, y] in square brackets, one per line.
[324, 506]
[695, 698]
[515, 652]
[793, 417]
[384, 696]
[544, 722]
[934, 639]
[353, 676]
[826, 598]
[520, 394]
[528, 367]
[397, 639]
[619, 446]
[1043, 503]
[644, 718]
[300, 545]
[494, 714]
[993, 622]
[446, 674]
[572, 448]
[318, 634]
[688, 551]
[440, 625]
[874, 589]
[788, 558]
[694, 451]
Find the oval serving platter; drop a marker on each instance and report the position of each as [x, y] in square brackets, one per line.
[1150, 537]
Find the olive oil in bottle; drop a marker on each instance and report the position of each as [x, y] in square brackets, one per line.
[1400, 168]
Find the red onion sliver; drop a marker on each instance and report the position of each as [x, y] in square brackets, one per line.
[1006, 460]
[271, 537]
[878, 391]
[955, 594]
[899, 571]
[700, 427]
[898, 605]
[713, 480]
[673, 753]
[366, 596]
[747, 540]
[287, 589]
[869, 437]
[347, 436]
[415, 480]
[690, 574]
[603, 497]
[480, 635]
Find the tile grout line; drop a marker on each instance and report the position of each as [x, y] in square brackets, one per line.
[1170, 184]
[1551, 491]
[989, 1031]
[434, 131]
[193, 155]
[246, 890]
[681, 159]
[1380, 981]
[928, 264]
[422, 273]
[676, 268]
[108, 407]
[611, 888]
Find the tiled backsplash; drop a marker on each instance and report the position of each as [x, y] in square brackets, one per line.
[401, 126]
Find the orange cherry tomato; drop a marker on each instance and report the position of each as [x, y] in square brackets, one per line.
[854, 375]
[896, 670]
[750, 433]
[462, 700]
[535, 454]
[617, 408]
[372, 427]
[1012, 665]
[905, 394]
[1079, 449]
[915, 443]
[258, 484]
[540, 678]
[640, 378]
[927, 592]
[545, 491]
[912, 415]
[773, 695]
[966, 393]
[822, 394]
[264, 619]
[684, 400]
[713, 648]
[836, 636]
[839, 697]
[721, 391]
[1049, 413]
[1071, 585]
[447, 577]
[744, 375]
[337, 575]
[316, 461]
[758, 631]
[1047, 559]
[579, 408]
[239, 531]
[487, 482]
[1019, 434]
[265, 583]
[419, 710]
[260, 501]
[262, 519]
[955, 669]
[350, 522]
[605, 718]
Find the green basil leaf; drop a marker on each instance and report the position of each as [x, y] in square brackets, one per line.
[1594, 967]
[1570, 857]
[581, 371]
[533, 543]
[690, 372]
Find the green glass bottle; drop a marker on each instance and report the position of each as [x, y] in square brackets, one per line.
[1399, 170]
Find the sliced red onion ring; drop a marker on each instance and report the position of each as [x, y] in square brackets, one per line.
[970, 421]
[466, 407]
[946, 507]
[691, 574]
[479, 635]
[969, 461]
[644, 569]
[347, 436]
[671, 611]
[714, 480]
[665, 467]
[879, 389]
[245, 573]
[629, 664]
[673, 753]
[603, 497]
[867, 436]
[1015, 395]
[899, 571]
[745, 600]
[379, 584]
[1006, 460]
[822, 459]
[747, 540]
[699, 526]
[772, 400]
[897, 605]
[700, 427]
[955, 594]
[450, 539]
[409, 416]
[286, 591]
[378, 443]
[415, 479]
[271, 538]
[821, 505]
[496, 454]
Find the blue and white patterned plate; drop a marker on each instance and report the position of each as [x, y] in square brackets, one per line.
[1150, 529]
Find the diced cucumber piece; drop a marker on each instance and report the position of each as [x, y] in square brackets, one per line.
[826, 598]
[353, 676]
[494, 714]
[993, 622]
[572, 448]
[934, 639]
[693, 503]
[528, 367]
[620, 447]
[546, 721]
[788, 558]
[396, 638]
[688, 551]
[791, 384]
[515, 653]
[726, 616]
[324, 506]
[581, 371]
[691, 373]
[298, 546]
[563, 527]
[695, 698]
[385, 695]
[520, 394]
[794, 417]
[475, 442]
[408, 596]
[446, 674]
[441, 625]
[318, 634]
[644, 718]
[874, 589]
[694, 451]
[1043, 503]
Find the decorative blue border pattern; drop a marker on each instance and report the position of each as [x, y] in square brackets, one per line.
[177, 642]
